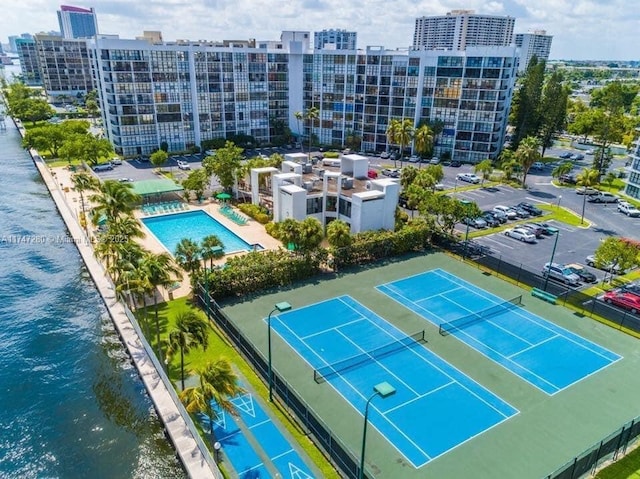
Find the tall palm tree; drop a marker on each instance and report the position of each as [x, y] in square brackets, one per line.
[188, 255]
[562, 169]
[159, 271]
[587, 178]
[311, 114]
[190, 330]
[423, 139]
[528, 153]
[218, 383]
[84, 182]
[113, 199]
[400, 132]
[209, 249]
[299, 117]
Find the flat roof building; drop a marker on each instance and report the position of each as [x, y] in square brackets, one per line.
[77, 22]
[340, 39]
[536, 43]
[65, 67]
[29, 64]
[460, 29]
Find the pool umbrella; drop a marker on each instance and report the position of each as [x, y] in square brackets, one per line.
[223, 196]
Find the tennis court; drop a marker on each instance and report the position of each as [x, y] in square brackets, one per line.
[543, 354]
[435, 408]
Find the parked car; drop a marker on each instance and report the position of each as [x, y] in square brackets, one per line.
[373, 174]
[603, 197]
[499, 216]
[103, 167]
[535, 229]
[403, 202]
[530, 208]
[560, 273]
[414, 159]
[472, 248]
[584, 274]
[538, 165]
[569, 178]
[521, 234]
[624, 300]
[587, 190]
[116, 161]
[565, 156]
[434, 161]
[478, 222]
[468, 177]
[521, 212]
[547, 229]
[508, 212]
[591, 261]
[633, 288]
[384, 155]
[578, 157]
[125, 180]
[491, 220]
[455, 164]
[439, 187]
[589, 152]
[628, 209]
[183, 165]
[391, 172]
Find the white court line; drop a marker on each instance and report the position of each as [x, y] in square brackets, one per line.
[420, 397]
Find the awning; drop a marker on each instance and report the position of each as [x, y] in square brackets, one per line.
[155, 187]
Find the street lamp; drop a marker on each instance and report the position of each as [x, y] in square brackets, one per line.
[281, 308]
[384, 390]
[553, 253]
[216, 447]
[466, 203]
[558, 204]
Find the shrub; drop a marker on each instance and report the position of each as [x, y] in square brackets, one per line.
[258, 213]
[331, 154]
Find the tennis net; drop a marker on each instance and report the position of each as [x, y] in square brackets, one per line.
[460, 323]
[325, 373]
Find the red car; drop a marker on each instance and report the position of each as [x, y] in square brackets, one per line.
[623, 300]
[372, 174]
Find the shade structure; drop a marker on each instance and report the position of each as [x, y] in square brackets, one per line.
[223, 196]
[155, 187]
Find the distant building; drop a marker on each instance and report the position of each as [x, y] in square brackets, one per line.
[536, 43]
[12, 41]
[633, 182]
[28, 54]
[460, 29]
[340, 39]
[77, 22]
[65, 67]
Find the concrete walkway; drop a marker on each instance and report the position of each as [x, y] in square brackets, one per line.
[190, 448]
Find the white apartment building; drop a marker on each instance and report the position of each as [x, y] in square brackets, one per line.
[341, 39]
[536, 43]
[633, 181]
[460, 29]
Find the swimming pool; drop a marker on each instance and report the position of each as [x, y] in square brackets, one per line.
[195, 225]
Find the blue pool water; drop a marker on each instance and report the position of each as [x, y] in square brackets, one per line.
[195, 225]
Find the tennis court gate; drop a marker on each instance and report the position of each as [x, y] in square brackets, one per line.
[588, 305]
[340, 455]
[607, 449]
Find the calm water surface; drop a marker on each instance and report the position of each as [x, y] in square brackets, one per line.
[71, 404]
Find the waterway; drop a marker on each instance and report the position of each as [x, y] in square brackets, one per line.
[71, 403]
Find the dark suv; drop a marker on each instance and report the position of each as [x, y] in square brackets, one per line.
[530, 208]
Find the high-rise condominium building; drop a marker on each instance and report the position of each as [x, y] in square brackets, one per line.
[460, 29]
[29, 64]
[77, 22]
[342, 39]
[64, 65]
[184, 93]
[536, 43]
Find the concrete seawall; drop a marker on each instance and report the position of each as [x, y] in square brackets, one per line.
[189, 446]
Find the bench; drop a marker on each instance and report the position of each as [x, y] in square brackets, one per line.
[543, 295]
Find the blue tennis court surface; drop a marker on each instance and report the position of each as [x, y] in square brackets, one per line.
[245, 459]
[547, 356]
[436, 407]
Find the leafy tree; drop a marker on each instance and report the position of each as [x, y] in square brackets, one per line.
[610, 178]
[52, 137]
[553, 109]
[339, 234]
[562, 169]
[86, 148]
[224, 164]
[525, 108]
[92, 108]
[616, 251]
[218, 383]
[435, 171]
[197, 182]
[424, 180]
[616, 93]
[310, 235]
[159, 158]
[408, 176]
[485, 168]
[32, 109]
[527, 154]
[190, 330]
[84, 182]
[583, 124]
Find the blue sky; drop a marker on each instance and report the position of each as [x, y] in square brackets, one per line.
[582, 29]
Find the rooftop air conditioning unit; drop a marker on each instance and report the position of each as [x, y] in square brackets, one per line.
[306, 168]
[308, 185]
[347, 183]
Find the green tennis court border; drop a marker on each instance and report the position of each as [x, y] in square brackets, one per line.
[548, 432]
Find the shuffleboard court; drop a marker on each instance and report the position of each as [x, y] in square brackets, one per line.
[540, 352]
[435, 408]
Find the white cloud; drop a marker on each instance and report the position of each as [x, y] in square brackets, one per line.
[596, 29]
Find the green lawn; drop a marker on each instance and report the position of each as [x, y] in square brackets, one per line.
[220, 347]
[626, 468]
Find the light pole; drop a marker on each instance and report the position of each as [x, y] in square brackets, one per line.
[558, 204]
[384, 390]
[466, 235]
[553, 253]
[281, 308]
[584, 204]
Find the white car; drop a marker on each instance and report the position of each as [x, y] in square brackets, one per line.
[183, 165]
[414, 159]
[521, 234]
[628, 209]
[468, 177]
[510, 213]
[116, 161]
[538, 165]
[434, 161]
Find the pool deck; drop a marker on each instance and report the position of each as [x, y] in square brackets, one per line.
[190, 449]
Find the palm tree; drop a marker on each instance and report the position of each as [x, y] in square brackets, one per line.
[311, 114]
[210, 249]
[561, 170]
[587, 178]
[610, 178]
[159, 271]
[527, 154]
[188, 255]
[423, 140]
[400, 132]
[485, 168]
[299, 117]
[190, 331]
[113, 199]
[218, 383]
[84, 182]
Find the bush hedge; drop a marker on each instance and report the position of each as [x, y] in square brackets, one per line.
[258, 213]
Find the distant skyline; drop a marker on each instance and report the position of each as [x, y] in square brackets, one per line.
[581, 29]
